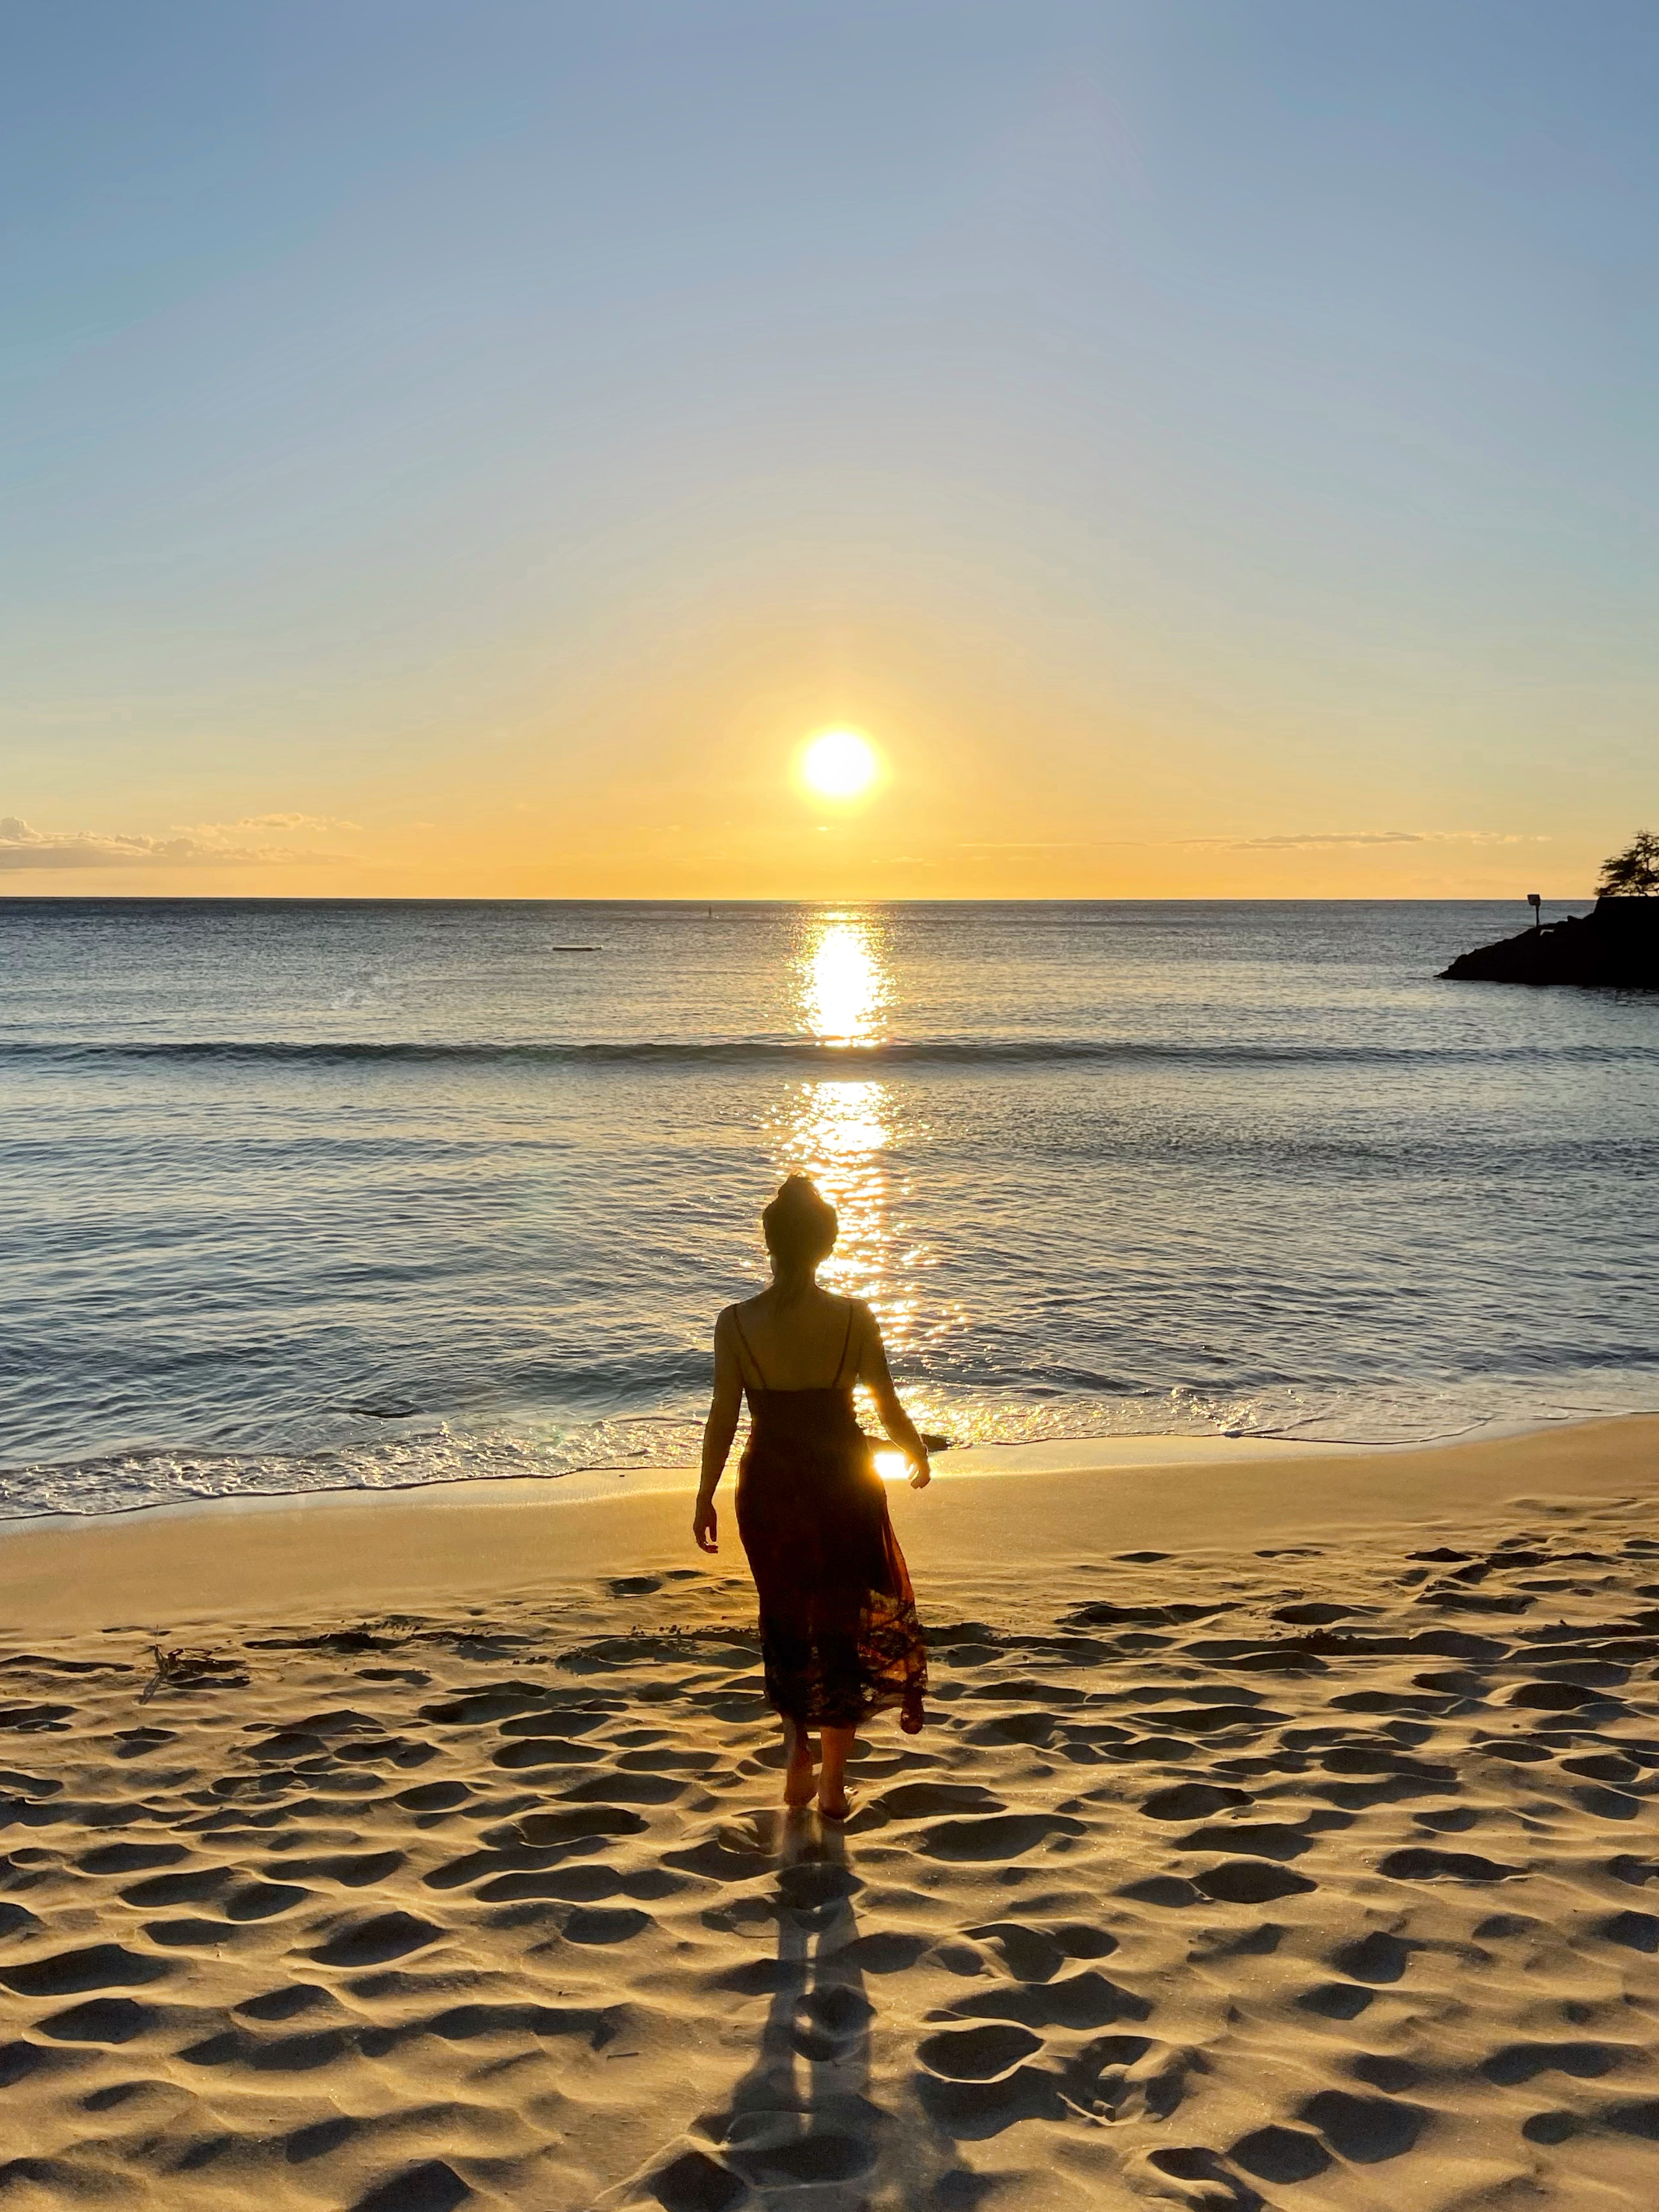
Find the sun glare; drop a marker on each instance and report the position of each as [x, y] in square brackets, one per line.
[839, 764]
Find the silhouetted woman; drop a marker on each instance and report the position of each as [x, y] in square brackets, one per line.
[838, 1619]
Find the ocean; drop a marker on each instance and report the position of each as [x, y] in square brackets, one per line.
[310, 1196]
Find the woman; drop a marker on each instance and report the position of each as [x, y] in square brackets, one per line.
[838, 1622]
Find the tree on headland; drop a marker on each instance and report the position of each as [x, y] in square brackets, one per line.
[1633, 873]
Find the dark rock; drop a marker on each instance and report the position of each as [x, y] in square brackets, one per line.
[1616, 947]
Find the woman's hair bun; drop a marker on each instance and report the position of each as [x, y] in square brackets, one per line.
[800, 1223]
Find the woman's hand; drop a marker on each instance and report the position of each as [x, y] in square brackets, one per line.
[705, 1526]
[921, 1474]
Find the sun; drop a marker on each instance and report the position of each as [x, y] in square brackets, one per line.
[839, 764]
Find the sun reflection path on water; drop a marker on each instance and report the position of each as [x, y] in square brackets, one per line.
[850, 1132]
[843, 985]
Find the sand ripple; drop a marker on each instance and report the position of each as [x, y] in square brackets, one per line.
[1316, 1878]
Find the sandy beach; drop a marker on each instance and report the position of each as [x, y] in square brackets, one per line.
[1283, 1834]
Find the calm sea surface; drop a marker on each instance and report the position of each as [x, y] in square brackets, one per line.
[317, 1196]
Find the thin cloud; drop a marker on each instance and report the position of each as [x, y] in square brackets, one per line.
[211, 844]
[1292, 842]
[312, 824]
[1308, 840]
[1283, 841]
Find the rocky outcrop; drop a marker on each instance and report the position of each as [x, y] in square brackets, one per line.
[1615, 948]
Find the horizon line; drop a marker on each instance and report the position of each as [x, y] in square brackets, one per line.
[410, 899]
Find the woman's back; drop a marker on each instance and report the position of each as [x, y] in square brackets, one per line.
[808, 1342]
[839, 1633]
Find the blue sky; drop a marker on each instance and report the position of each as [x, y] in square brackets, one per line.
[467, 447]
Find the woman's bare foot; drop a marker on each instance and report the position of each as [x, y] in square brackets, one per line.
[800, 1782]
[800, 1775]
[837, 1745]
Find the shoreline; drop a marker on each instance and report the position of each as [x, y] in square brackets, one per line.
[355, 1549]
[586, 1484]
[1090, 1455]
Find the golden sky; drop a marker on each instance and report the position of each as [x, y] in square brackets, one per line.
[1208, 453]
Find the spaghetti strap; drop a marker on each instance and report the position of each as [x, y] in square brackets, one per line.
[760, 1378]
[846, 1343]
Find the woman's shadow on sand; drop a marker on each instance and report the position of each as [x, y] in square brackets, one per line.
[802, 2114]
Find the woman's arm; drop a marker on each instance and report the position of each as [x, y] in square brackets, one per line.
[718, 1431]
[873, 1370]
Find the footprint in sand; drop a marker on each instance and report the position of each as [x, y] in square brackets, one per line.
[560, 1721]
[978, 2054]
[1036, 1730]
[1082, 2000]
[1448, 1820]
[1609, 1804]
[544, 1751]
[1251, 1881]
[97, 1966]
[1383, 2071]
[1365, 2130]
[914, 1800]
[101, 2020]
[1636, 1931]
[1586, 2061]
[1418, 1863]
[1603, 1766]
[351, 1869]
[433, 2186]
[1334, 2000]
[1638, 2117]
[1268, 1839]
[131, 1858]
[999, 1836]
[1378, 1957]
[371, 1942]
[885, 1951]
[287, 2004]
[189, 1934]
[29, 1720]
[1554, 1696]
[1277, 2154]
[626, 1788]
[262, 1900]
[1191, 1801]
[139, 1743]
[1167, 1890]
[433, 1796]
[1035, 1955]
[575, 1824]
[595, 1925]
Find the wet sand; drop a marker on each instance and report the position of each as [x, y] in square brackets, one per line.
[1284, 1835]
